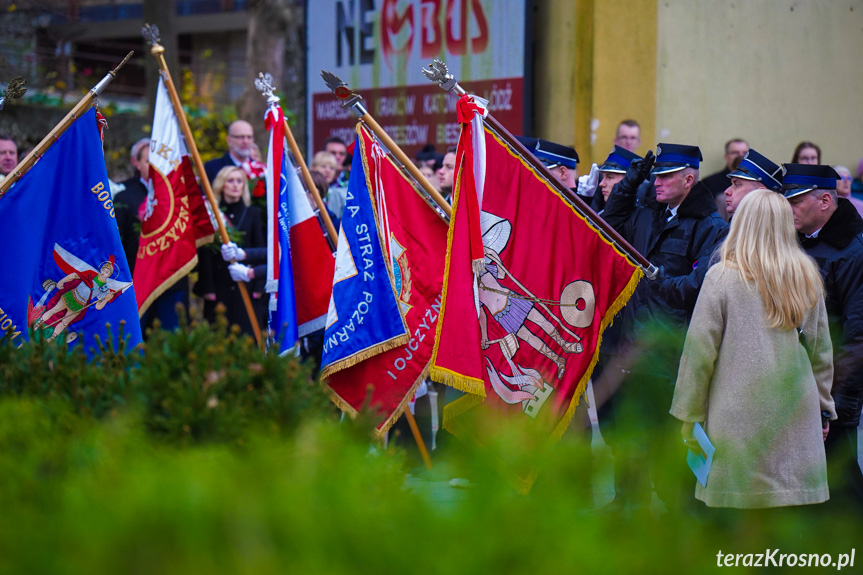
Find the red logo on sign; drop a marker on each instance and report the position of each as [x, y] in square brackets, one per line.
[429, 26]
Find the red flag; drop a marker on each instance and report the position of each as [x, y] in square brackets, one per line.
[522, 335]
[174, 220]
[417, 246]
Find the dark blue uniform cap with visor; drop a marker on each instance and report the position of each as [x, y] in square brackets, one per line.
[675, 157]
[618, 161]
[801, 178]
[551, 154]
[757, 168]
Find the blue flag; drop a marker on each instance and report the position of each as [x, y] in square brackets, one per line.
[286, 308]
[364, 317]
[65, 271]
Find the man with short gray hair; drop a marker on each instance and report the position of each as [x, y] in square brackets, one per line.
[241, 142]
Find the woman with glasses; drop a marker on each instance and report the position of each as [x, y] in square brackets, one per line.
[843, 187]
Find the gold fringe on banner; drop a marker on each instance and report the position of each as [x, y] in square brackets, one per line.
[390, 343]
[381, 431]
[168, 283]
[441, 374]
[363, 355]
[476, 388]
[618, 304]
[337, 399]
[205, 240]
[453, 410]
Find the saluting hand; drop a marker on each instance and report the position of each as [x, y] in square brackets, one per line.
[637, 172]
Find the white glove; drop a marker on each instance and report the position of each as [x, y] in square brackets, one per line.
[587, 184]
[239, 272]
[230, 251]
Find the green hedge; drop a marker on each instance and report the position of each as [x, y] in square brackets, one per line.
[79, 496]
[201, 454]
[198, 383]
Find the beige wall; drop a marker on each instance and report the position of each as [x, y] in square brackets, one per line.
[773, 72]
[594, 69]
[554, 42]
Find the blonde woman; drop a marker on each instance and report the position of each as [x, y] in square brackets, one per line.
[757, 365]
[325, 164]
[231, 189]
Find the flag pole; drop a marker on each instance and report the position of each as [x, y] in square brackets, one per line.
[151, 34]
[264, 83]
[418, 437]
[310, 184]
[352, 100]
[48, 141]
[439, 73]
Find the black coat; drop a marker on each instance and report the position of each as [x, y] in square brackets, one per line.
[838, 249]
[717, 183]
[126, 206]
[213, 167]
[213, 275]
[682, 248]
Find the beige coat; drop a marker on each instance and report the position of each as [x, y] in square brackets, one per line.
[758, 395]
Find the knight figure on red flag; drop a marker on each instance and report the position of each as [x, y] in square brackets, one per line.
[530, 286]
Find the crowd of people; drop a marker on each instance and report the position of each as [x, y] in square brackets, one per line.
[771, 366]
[760, 265]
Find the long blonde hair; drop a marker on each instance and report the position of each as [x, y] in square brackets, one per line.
[762, 245]
[222, 177]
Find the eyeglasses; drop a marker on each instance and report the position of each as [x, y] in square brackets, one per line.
[846, 178]
[241, 137]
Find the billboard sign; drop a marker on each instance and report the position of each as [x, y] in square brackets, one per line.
[379, 48]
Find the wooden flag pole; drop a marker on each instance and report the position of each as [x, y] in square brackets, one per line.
[438, 72]
[82, 106]
[151, 33]
[310, 184]
[265, 86]
[418, 437]
[352, 100]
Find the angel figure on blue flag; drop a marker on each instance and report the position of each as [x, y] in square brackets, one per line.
[82, 287]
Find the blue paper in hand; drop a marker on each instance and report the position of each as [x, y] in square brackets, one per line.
[700, 464]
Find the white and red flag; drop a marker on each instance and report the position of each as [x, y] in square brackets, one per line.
[175, 220]
[300, 263]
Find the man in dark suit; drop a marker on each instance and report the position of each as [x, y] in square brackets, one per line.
[241, 142]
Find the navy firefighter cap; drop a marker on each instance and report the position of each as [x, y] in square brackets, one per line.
[801, 178]
[551, 154]
[757, 168]
[674, 157]
[618, 161]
